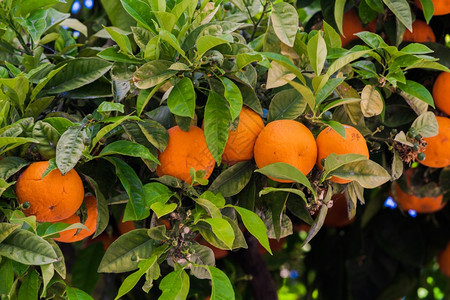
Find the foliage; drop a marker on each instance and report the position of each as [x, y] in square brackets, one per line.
[102, 102]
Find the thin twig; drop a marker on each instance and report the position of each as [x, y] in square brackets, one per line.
[255, 25]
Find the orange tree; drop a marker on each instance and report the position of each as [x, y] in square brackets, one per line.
[211, 127]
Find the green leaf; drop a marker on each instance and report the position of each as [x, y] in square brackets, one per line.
[306, 93]
[121, 40]
[43, 82]
[76, 294]
[401, 10]
[268, 190]
[426, 125]
[181, 100]
[102, 132]
[255, 226]
[4, 185]
[47, 274]
[6, 229]
[327, 89]
[318, 222]
[141, 36]
[115, 55]
[332, 38]
[417, 90]
[335, 161]
[76, 25]
[124, 253]
[9, 166]
[84, 268]
[344, 60]
[141, 12]
[172, 41]
[6, 276]
[222, 229]
[174, 286]
[286, 172]
[221, 285]
[29, 289]
[207, 42]
[30, 6]
[212, 210]
[428, 9]
[15, 141]
[60, 265]
[367, 173]
[161, 209]
[286, 104]
[16, 89]
[102, 207]
[216, 198]
[231, 181]
[155, 133]
[416, 48]
[117, 14]
[339, 14]
[153, 73]
[128, 148]
[285, 62]
[132, 279]
[41, 21]
[77, 73]
[233, 95]
[27, 248]
[136, 208]
[216, 120]
[284, 20]
[70, 148]
[317, 53]
[48, 138]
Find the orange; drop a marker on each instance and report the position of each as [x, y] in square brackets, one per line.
[337, 215]
[421, 32]
[409, 201]
[286, 141]
[71, 235]
[351, 24]
[185, 150]
[125, 227]
[241, 142]
[52, 198]
[437, 154]
[443, 260]
[329, 141]
[441, 7]
[441, 92]
[372, 26]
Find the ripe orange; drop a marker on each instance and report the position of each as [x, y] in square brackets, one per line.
[52, 198]
[241, 142]
[372, 26]
[437, 154]
[337, 215]
[351, 24]
[421, 32]
[443, 260]
[441, 92]
[185, 150]
[286, 141]
[329, 141]
[409, 201]
[441, 7]
[70, 236]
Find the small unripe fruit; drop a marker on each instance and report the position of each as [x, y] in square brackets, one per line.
[327, 116]
[227, 6]
[421, 156]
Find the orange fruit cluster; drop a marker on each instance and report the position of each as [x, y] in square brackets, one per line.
[437, 154]
[421, 33]
[329, 141]
[52, 198]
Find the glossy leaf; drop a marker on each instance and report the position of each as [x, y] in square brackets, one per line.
[255, 226]
[27, 248]
[417, 90]
[29, 289]
[317, 52]
[77, 294]
[222, 229]
[140, 11]
[174, 285]
[284, 19]
[231, 181]
[128, 148]
[153, 73]
[10, 165]
[233, 95]
[367, 173]
[221, 285]
[286, 104]
[70, 148]
[181, 100]
[123, 254]
[401, 10]
[426, 125]
[217, 120]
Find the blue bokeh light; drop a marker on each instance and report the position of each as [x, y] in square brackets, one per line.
[390, 203]
[265, 113]
[293, 274]
[65, 27]
[412, 213]
[89, 4]
[76, 34]
[76, 6]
